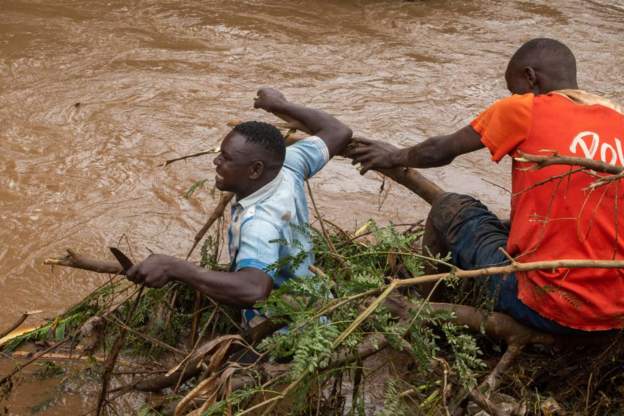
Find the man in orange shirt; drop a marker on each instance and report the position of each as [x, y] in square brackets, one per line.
[554, 213]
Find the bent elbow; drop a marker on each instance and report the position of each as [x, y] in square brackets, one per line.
[348, 133]
[345, 133]
[342, 136]
[259, 293]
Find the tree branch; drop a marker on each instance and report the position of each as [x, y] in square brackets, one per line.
[226, 197]
[177, 159]
[511, 268]
[544, 161]
[410, 178]
[17, 323]
[76, 261]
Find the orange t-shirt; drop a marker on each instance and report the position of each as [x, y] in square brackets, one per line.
[555, 215]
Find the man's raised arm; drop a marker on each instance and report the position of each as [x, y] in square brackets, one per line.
[334, 133]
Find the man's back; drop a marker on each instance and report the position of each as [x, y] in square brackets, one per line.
[555, 212]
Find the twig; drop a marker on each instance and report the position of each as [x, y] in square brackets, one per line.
[445, 386]
[496, 185]
[606, 180]
[362, 317]
[115, 350]
[186, 359]
[415, 182]
[35, 357]
[544, 161]
[226, 197]
[550, 179]
[320, 218]
[146, 337]
[214, 216]
[17, 323]
[177, 159]
[511, 259]
[384, 191]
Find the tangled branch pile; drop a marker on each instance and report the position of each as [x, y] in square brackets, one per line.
[348, 341]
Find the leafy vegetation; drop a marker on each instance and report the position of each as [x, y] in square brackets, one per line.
[429, 359]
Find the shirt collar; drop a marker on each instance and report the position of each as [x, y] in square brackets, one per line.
[262, 193]
[584, 97]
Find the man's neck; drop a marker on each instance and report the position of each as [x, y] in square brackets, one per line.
[559, 85]
[257, 185]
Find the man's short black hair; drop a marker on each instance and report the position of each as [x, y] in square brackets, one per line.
[546, 54]
[265, 135]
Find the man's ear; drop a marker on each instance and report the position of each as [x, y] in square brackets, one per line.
[531, 78]
[256, 169]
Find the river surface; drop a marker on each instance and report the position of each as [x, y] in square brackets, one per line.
[95, 95]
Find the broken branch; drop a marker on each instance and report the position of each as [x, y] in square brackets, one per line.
[76, 261]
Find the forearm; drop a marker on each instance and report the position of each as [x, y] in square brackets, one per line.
[439, 150]
[333, 132]
[428, 154]
[231, 288]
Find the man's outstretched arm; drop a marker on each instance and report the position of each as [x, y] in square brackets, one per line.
[433, 152]
[334, 133]
[242, 288]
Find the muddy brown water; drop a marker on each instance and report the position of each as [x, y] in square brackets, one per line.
[95, 95]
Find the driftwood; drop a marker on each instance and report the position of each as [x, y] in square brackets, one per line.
[76, 261]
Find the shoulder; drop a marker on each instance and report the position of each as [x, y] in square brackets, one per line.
[505, 124]
[258, 226]
[513, 110]
[513, 103]
[309, 144]
[311, 148]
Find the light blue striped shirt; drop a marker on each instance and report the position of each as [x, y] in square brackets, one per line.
[271, 225]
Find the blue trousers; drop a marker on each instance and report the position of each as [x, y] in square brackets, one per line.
[473, 235]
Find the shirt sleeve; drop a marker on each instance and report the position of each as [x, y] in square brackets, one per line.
[505, 124]
[258, 247]
[306, 157]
